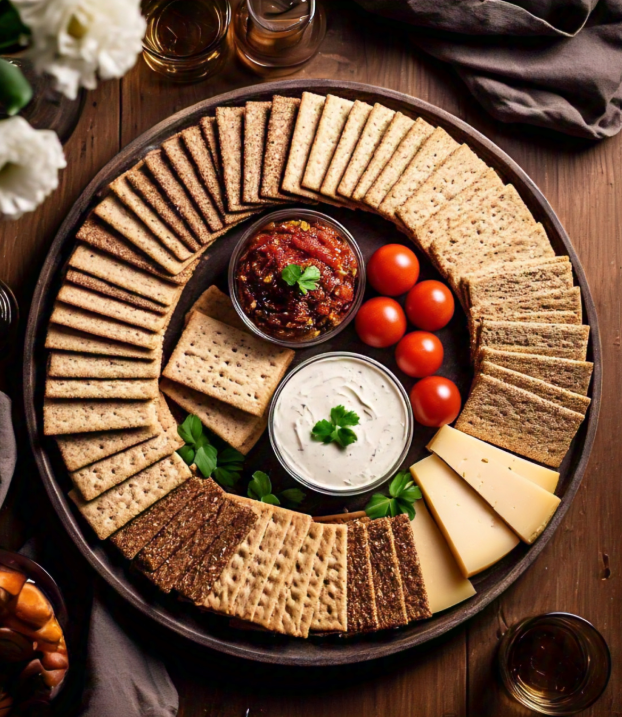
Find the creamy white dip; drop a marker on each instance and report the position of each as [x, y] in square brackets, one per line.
[308, 397]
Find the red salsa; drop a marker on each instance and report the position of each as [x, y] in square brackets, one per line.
[285, 311]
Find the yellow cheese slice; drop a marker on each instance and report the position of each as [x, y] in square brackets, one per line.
[525, 506]
[444, 583]
[449, 438]
[478, 538]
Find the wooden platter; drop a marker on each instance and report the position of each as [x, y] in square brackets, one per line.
[371, 232]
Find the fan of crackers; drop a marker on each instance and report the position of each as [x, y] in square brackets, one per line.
[104, 402]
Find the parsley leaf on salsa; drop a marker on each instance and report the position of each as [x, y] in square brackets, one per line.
[307, 280]
[337, 429]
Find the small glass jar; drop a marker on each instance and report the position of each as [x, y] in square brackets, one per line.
[281, 216]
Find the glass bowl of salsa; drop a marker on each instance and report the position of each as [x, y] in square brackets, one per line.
[297, 277]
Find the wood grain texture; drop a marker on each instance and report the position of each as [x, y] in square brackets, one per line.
[579, 569]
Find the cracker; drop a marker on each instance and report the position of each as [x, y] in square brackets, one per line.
[395, 133]
[218, 305]
[362, 613]
[462, 169]
[87, 416]
[162, 206]
[207, 358]
[187, 176]
[113, 509]
[331, 611]
[415, 594]
[255, 127]
[208, 126]
[230, 123]
[68, 365]
[386, 576]
[91, 323]
[561, 340]
[566, 373]
[133, 537]
[131, 389]
[280, 130]
[518, 421]
[334, 116]
[66, 339]
[546, 301]
[352, 131]
[375, 127]
[149, 218]
[395, 167]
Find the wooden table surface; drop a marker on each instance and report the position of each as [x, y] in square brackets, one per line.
[578, 570]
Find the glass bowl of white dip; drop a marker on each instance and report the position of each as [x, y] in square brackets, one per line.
[359, 384]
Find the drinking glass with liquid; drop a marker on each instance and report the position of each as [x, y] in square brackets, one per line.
[555, 664]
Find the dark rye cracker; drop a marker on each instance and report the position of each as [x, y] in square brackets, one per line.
[413, 585]
[386, 576]
[572, 375]
[133, 537]
[255, 128]
[362, 609]
[518, 421]
[280, 130]
[561, 340]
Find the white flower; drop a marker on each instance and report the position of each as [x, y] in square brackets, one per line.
[29, 164]
[74, 40]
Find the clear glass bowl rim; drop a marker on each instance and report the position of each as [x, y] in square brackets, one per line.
[296, 213]
[354, 490]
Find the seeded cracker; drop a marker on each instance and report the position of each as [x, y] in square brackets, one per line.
[362, 614]
[385, 568]
[415, 594]
[331, 611]
[255, 128]
[208, 125]
[280, 130]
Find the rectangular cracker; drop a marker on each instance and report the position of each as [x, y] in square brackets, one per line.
[133, 537]
[386, 575]
[230, 123]
[66, 339]
[400, 160]
[134, 203]
[362, 612]
[352, 131]
[395, 133]
[255, 127]
[375, 127]
[331, 611]
[68, 365]
[280, 130]
[100, 389]
[566, 373]
[113, 509]
[434, 151]
[210, 133]
[561, 340]
[518, 421]
[81, 320]
[462, 169]
[415, 594]
[554, 300]
[213, 302]
[332, 121]
[87, 416]
[206, 359]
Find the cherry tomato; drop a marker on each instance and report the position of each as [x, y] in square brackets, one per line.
[419, 354]
[430, 305]
[393, 269]
[436, 401]
[380, 322]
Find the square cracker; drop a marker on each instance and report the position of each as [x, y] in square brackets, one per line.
[333, 119]
[113, 509]
[518, 420]
[228, 364]
[213, 302]
[69, 365]
[331, 611]
[351, 134]
[280, 130]
[66, 339]
[255, 127]
[97, 388]
[561, 340]
[88, 416]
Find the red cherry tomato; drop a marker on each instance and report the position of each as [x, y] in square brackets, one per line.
[419, 354]
[436, 401]
[430, 305]
[380, 322]
[393, 269]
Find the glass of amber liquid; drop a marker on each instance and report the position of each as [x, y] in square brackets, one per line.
[186, 40]
[554, 664]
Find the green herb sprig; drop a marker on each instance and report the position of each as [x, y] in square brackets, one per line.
[402, 495]
[260, 488]
[307, 280]
[338, 428]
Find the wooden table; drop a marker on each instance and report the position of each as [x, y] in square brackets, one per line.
[578, 570]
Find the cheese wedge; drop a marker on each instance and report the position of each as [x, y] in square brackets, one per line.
[526, 507]
[444, 583]
[449, 438]
[478, 538]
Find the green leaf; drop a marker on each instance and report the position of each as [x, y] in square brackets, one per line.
[226, 477]
[206, 460]
[405, 507]
[186, 453]
[340, 417]
[323, 431]
[402, 480]
[260, 486]
[293, 495]
[378, 507]
[270, 498]
[15, 92]
[345, 436]
[291, 273]
[231, 459]
[190, 429]
[12, 29]
[309, 279]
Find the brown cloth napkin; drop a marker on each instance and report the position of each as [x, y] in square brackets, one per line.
[551, 63]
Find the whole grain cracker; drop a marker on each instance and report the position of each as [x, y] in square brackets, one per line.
[208, 126]
[561, 340]
[362, 609]
[255, 128]
[331, 611]
[87, 416]
[66, 339]
[69, 365]
[554, 300]
[130, 389]
[386, 575]
[218, 305]
[413, 585]
[280, 130]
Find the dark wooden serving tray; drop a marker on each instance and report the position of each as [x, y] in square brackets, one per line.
[371, 232]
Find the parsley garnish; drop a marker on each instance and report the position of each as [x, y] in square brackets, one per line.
[307, 280]
[337, 428]
[260, 488]
[224, 464]
[402, 495]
